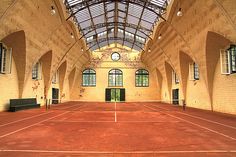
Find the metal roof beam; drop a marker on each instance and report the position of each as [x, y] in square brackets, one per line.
[118, 38]
[100, 25]
[90, 14]
[139, 23]
[124, 1]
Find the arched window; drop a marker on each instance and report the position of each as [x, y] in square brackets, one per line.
[115, 78]
[142, 78]
[89, 77]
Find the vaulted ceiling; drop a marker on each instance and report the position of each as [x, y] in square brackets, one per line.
[126, 22]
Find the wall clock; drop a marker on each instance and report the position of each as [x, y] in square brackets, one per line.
[115, 56]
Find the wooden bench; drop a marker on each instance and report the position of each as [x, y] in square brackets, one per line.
[22, 104]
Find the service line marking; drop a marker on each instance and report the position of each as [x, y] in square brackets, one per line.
[24, 119]
[198, 125]
[10, 133]
[125, 152]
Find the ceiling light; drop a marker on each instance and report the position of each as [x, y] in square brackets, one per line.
[159, 37]
[82, 50]
[53, 10]
[180, 13]
[149, 50]
[72, 36]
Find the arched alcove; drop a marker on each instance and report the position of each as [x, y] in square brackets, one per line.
[62, 72]
[71, 79]
[17, 42]
[46, 61]
[214, 42]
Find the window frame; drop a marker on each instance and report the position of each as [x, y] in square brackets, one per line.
[89, 75]
[38, 72]
[142, 78]
[196, 72]
[227, 56]
[231, 50]
[115, 74]
[55, 78]
[192, 71]
[5, 59]
[175, 78]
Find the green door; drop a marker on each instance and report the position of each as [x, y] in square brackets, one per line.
[115, 95]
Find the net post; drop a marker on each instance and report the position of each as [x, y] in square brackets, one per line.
[184, 104]
[46, 105]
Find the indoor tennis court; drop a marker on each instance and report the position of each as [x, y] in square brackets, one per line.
[117, 129]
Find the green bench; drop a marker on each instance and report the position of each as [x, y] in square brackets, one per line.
[23, 104]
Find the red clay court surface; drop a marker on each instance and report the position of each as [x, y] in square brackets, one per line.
[117, 130]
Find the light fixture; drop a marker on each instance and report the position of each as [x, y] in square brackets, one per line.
[82, 50]
[53, 10]
[72, 36]
[159, 37]
[149, 50]
[180, 13]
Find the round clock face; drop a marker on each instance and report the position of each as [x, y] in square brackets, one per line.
[115, 56]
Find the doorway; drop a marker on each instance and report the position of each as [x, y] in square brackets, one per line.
[175, 96]
[55, 95]
[115, 94]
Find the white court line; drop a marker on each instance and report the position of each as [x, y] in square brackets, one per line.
[77, 121]
[115, 113]
[32, 117]
[23, 119]
[229, 126]
[124, 152]
[200, 126]
[68, 107]
[10, 133]
[31, 125]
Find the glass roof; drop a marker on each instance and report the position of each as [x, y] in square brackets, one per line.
[127, 22]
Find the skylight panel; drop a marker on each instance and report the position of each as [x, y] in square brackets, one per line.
[139, 23]
[110, 6]
[121, 14]
[121, 20]
[73, 2]
[158, 2]
[121, 6]
[99, 19]
[97, 10]
[133, 20]
[135, 10]
[83, 15]
[149, 16]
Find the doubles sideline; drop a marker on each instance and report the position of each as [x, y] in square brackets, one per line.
[199, 118]
[125, 152]
[10, 133]
[33, 116]
[198, 125]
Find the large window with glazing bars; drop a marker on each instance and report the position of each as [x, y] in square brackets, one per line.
[194, 71]
[228, 60]
[89, 77]
[115, 78]
[142, 78]
[5, 59]
[37, 71]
